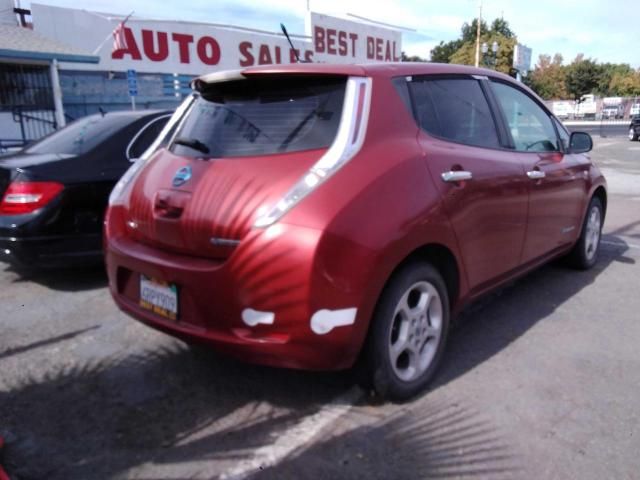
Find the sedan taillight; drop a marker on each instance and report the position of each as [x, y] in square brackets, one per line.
[26, 197]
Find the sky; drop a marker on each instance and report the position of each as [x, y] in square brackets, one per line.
[606, 30]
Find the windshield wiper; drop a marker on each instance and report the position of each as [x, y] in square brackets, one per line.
[192, 143]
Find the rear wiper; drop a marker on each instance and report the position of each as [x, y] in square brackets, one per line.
[192, 143]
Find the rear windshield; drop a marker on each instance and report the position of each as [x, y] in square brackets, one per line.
[262, 116]
[82, 135]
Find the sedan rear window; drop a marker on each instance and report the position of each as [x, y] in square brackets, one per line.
[82, 135]
[262, 116]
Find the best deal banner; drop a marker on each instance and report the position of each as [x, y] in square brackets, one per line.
[191, 48]
[338, 40]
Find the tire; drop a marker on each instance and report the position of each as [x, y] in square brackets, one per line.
[408, 333]
[633, 136]
[585, 252]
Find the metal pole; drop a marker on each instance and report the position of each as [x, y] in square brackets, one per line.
[478, 33]
[133, 103]
[57, 94]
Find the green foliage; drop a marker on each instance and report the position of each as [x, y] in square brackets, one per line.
[548, 79]
[625, 84]
[582, 77]
[412, 58]
[463, 49]
[469, 30]
[501, 27]
[442, 52]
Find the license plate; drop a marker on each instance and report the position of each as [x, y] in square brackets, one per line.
[159, 297]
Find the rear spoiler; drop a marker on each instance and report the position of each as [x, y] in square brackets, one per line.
[347, 70]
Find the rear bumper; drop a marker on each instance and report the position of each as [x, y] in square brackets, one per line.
[275, 271]
[51, 251]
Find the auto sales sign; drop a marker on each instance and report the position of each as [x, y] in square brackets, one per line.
[191, 48]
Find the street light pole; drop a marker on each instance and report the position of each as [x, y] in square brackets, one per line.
[478, 33]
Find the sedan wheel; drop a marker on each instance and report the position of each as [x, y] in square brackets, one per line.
[592, 239]
[408, 333]
[585, 252]
[415, 331]
[632, 134]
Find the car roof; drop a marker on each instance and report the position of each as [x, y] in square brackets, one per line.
[380, 69]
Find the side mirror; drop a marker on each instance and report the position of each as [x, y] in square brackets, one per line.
[580, 142]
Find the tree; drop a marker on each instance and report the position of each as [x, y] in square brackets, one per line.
[548, 78]
[412, 58]
[463, 49]
[625, 84]
[583, 76]
[442, 52]
[501, 27]
[466, 55]
[469, 31]
[609, 71]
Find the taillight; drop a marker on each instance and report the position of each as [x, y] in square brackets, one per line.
[348, 141]
[26, 197]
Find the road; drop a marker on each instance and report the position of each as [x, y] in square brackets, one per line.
[605, 128]
[541, 380]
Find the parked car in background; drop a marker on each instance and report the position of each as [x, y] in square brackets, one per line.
[613, 112]
[323, 216]
[635, 109]
[634, 128]
[53, 193]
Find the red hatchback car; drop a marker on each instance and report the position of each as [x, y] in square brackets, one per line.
[314, 216]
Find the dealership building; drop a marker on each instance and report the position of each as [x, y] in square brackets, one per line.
[59, 64]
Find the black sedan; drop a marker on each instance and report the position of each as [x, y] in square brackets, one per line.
[634, 128]
[54, 192]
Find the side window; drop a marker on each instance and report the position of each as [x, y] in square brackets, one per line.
[530, 126]
[145, 136]
[455, 109]
[563, 134]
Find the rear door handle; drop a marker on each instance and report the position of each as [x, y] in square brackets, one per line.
[536, 174]
[456, 176]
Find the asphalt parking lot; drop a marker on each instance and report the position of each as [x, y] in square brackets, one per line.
[541, 380]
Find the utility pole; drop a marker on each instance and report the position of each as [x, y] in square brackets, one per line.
[478, 33]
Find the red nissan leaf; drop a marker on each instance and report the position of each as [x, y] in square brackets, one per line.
[318, 216]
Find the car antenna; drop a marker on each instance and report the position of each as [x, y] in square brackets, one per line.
[284, 30]
[102, 112]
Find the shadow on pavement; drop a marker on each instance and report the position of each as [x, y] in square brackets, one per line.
[429, 442]
[168, 407]
[492, 323]
[165, 408]
[67, 280]
[45, 343]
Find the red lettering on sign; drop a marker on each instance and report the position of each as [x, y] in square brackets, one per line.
[278, 55]
[264, 57]
[183, 42]
[396, 57]
[371, 48]
[155, 55]
[353, 37]
[208, 51]
[387, 55]
[246, 59]
[293, 55]
[378, 49]
[318, 39]
[131, 47]
[331, 41]
[342, 44]
[308, 56]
